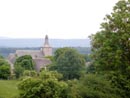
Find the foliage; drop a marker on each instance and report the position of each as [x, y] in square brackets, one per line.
[4, 69]
[50, 75]
[68, 62]
[50, 58]
[111, 47]
[30, 73]
[122, 82]
[23, 63]
[92, 86]
[90, 68]
[47, 86]
[87, 57]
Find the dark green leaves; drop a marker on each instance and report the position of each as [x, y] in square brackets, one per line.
[69, 63]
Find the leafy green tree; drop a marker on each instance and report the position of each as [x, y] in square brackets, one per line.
[30, 73]
[69, 63]
[23, 63]
[95, 86]
[111, 47]
[47, 86]
[26, 62]
[45, 74]
[4, 69]
[92, 86]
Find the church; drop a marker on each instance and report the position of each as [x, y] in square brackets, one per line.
[38, 56]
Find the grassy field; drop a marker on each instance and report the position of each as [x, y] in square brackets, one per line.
[8, 89]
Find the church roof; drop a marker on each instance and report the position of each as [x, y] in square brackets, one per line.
[33, 53]
[41, 63]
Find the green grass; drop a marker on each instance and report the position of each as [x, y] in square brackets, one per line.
[8, 89]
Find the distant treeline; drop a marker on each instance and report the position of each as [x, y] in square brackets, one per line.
[5, 51]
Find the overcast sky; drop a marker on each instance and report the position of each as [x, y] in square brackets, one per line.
[56, 18]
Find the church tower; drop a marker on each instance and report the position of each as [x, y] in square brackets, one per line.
[47, 49]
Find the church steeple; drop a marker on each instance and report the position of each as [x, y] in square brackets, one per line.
[47, 49]
[46, 40]
[46, 43]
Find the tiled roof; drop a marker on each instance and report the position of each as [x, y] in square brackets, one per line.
[41, 63]
[33, 53]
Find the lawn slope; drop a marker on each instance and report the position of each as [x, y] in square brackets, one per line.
[8, 89]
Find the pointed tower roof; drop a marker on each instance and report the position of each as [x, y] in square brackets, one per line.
[46, 43]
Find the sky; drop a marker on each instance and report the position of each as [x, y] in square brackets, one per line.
[62, 19]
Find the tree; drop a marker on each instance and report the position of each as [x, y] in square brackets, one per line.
[23, 63]
[45, 74]
[30, 73]
[4, 69]
[69, 63]
[87, 57]
[93, 86]
[111, 47]
[45, 86]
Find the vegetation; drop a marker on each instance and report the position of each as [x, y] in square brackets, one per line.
[8, 89]
[50, 85]
[92, 86]
[31, 73]
[68, 62]
[23, 63]
[111, 47]
[47, 86]
[4, 69]
[108, 75]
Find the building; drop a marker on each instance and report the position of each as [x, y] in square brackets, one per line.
[37, 55]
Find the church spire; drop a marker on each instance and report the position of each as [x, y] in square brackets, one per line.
[46, 43]
[47, 49]
[46, 40]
